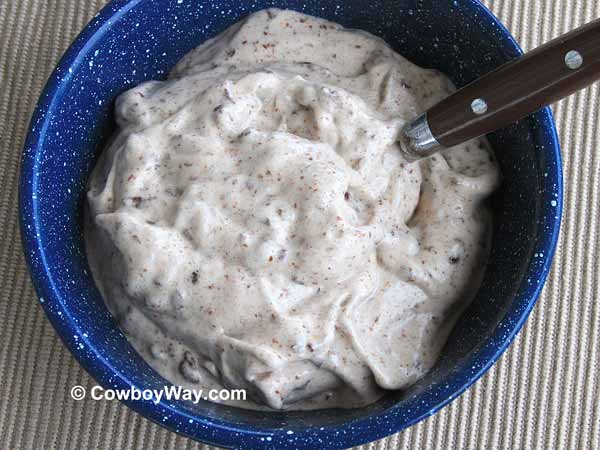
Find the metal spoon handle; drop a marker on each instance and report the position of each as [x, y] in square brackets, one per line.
[514, 90]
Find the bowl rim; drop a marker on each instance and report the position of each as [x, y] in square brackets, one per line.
[354, 432]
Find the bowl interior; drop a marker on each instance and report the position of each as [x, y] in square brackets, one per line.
[142, 40]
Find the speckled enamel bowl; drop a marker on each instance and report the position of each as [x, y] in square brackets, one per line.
[133, 41]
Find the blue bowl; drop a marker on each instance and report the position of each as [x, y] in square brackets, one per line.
[133, 41]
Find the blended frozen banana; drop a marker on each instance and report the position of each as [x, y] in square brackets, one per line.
[253, 223]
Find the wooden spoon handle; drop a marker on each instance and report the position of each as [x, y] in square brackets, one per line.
[514, 90]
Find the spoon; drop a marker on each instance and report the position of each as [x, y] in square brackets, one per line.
[508, 93]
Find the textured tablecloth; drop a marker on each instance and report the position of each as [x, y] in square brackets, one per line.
[544, 393]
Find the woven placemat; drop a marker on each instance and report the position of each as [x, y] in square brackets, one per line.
[544, 393]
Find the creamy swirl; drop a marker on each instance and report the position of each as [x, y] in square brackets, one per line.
[254, 225]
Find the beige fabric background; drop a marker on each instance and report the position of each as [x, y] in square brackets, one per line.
[544, 393]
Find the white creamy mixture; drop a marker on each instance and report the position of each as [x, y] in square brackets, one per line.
[253, 224]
